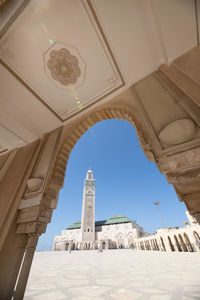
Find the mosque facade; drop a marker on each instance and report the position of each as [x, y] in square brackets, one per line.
[117, 232]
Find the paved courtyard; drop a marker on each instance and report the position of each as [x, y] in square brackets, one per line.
[114, 274]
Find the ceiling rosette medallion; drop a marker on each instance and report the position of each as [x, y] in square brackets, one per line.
[64, 66]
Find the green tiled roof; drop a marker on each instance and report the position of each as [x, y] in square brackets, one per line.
[75, 225]
[118, 219]
[112, 220]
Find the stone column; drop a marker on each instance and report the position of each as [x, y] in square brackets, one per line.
[11, 256]
[26, 265]
[36, 206]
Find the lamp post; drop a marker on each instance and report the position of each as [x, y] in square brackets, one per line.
[162, 220]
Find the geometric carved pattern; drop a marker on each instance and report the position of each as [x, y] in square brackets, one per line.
[63, 66]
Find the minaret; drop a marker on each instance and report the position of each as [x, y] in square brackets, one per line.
[88, 208]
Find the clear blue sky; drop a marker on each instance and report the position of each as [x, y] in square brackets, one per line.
[126, 182]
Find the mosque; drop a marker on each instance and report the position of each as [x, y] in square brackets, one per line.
[117, 232]
[121, 232]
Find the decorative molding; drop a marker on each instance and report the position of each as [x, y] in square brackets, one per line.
[197, 19]
[34, 184]
[191, 108]
[42, 168]
[180, 162]
[192, 201]
[7, 163]
[26, 86]
[33, 227]
[22, 141]
[13, 18]
[157, 143]
[175, 133]
[36, 207]
[188, 178]
[91, 6]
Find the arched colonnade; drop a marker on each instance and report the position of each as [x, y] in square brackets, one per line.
[182, 242]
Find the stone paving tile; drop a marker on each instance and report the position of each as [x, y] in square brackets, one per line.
[89, 290]
[114, 275]
[124, 294]
[54, 295]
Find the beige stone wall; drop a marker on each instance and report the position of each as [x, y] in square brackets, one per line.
[12, 185]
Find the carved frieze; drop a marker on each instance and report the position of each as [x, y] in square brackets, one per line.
[179, 162]
[33, 227]
[28, 214]
[184, 179]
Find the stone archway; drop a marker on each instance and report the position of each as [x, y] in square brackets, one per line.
[180, 162]
[69, 141]
[120, 241]
[182, 243]
[66, 246]
[131, 241]
[177, 164]
[103, 245]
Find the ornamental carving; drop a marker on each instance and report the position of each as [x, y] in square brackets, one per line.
[63, 66]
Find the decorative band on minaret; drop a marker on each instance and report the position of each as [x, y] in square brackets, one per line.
[88, 208]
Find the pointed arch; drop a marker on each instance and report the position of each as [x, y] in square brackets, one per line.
[188, 243]
[197, 237]
[66, 246]
[170, 244]
[177, 243]
[182, 243]
[163, 244]
[197, 240]
[156, 243]
[69, 141]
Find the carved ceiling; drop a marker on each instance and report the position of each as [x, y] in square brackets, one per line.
[108, 46]
[88, 52]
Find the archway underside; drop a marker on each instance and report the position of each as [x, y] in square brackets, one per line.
[120, 113]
